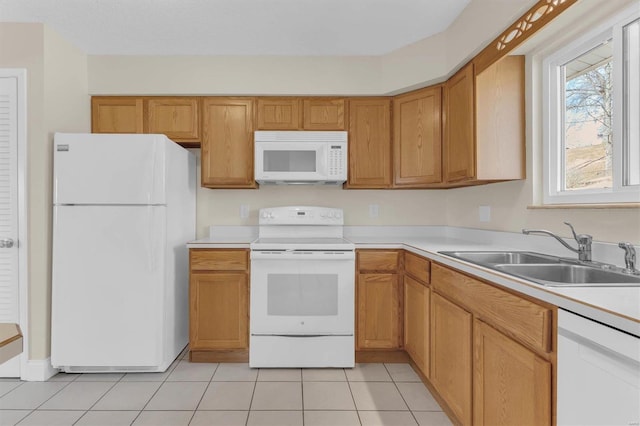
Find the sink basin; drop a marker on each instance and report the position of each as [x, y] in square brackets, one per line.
[567, 275]
[547, 270]
[487, 258]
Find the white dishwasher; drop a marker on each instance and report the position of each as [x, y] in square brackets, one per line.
[598, 373]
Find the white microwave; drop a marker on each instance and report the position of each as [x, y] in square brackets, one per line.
[300, 157]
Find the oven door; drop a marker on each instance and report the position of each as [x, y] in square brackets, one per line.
[305, 293]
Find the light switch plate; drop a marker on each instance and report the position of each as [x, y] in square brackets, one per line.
[484, 213]
[374, 210]
[244, 211]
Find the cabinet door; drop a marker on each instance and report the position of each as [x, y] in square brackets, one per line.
[176, 117]
[416, 322]
[278, 113]
[451, 355]
[512, 385]
[459, 140]
[227, 143]
[500, 120]
[116, 115]
[369, 143]
[324, 114]
[219, 311]
[417, 138]
[378, 316]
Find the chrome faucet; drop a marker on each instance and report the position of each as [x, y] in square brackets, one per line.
[583, 240]
[629, 258]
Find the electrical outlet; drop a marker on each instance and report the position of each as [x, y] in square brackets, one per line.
[484, 213]
[244, 211]
[374, 210]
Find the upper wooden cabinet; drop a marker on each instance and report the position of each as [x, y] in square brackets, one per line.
[324, 114]
[279, 114]
[459, 145]
[115, 114]
[417, 138]
[484, 124]
[227, 143]
[176, 117]
[500, 120]
[294, 113]
[370, 143]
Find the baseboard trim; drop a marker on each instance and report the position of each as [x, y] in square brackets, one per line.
[38, 370]
[390, 356]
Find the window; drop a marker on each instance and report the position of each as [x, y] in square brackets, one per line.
[592, 117]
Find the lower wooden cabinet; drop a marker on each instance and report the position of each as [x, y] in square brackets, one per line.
[219, 311]
[219, 304]
[451, 328]
[417, 298]
[378, 321]
[512, 385]
[378, 300]
[505, 376]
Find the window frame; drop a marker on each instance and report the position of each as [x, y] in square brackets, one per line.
[553, 90]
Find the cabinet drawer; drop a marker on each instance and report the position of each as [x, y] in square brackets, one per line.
[377, 260]
[521, 318]
[417, 266]
[218, 260]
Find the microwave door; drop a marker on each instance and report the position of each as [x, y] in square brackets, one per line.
[290, 161]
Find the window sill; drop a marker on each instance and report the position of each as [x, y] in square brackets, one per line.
[585, 206]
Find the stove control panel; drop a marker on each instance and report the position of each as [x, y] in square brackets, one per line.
[300, 215]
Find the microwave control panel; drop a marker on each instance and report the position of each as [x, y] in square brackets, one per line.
[337, 160]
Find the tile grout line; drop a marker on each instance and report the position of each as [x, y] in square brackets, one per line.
[401, 395]
[353, 399]
[246, 422]
[203, 393]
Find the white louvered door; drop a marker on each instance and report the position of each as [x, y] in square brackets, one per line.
[9, 289]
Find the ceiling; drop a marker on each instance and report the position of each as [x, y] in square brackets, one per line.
[238, 27]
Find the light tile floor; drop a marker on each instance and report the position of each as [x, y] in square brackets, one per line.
[226, 395]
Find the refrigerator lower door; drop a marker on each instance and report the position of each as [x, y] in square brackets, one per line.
[108, 288]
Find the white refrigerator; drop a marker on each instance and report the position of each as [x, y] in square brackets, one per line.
[123, 209]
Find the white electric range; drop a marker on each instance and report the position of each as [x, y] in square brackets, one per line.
[302, 290]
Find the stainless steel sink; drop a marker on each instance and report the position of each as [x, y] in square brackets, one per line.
[567, 275]
[502, 257]
[549, 270]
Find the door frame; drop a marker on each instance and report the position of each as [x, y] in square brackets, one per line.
[20, 74]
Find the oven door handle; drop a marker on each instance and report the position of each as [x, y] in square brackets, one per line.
[333, 255]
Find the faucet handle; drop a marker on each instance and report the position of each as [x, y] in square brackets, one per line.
[572, 230]
[580, 238]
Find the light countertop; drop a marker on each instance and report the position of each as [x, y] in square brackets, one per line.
[618, 307]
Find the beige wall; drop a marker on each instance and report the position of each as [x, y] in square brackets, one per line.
[57, 100]
[416, 65]
[397, 207]
[66, 109]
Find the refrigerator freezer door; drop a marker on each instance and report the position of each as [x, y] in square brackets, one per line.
[109, 169]
[108, 287]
